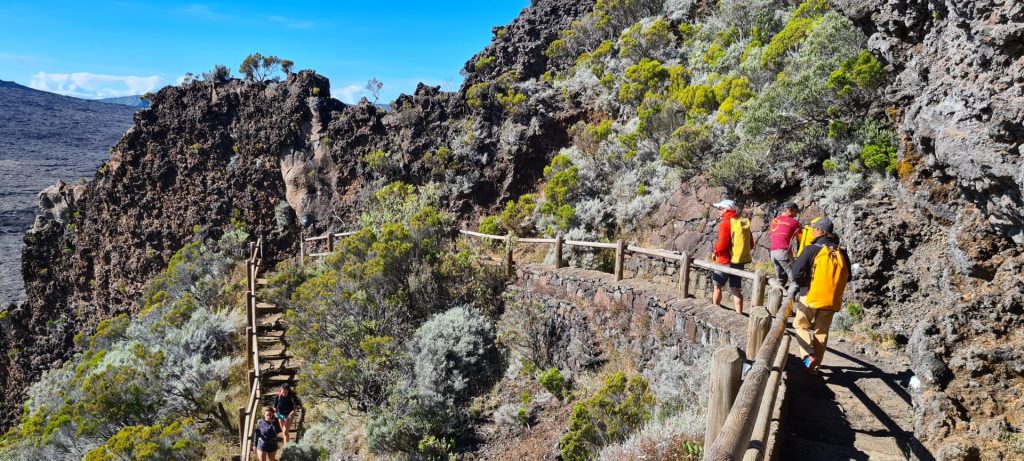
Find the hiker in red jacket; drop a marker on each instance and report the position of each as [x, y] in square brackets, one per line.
[783, 228]
[732, 249]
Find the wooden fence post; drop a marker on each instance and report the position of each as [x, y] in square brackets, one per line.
[684, 276]
[760, 281]
[726, 370]
[774, 301]
[249, 338]
[241, 428]
[330, 242]
[302, 251]
[758, 324]
[559, 238]
[250, 301]
[252, 379]
[509, 263]
[620, 255]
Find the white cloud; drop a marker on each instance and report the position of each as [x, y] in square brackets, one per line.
[291, 23]
[19, 58]
[351, 94]
[204, 12]
[93, 86]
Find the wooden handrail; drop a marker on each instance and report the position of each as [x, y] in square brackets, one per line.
[580, 243]
[758, 438]
[731, 443]
[482, 235]
[253, 266]
[536, 240]
[656, 253]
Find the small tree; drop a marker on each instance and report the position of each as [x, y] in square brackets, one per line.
[286, 66]
[260, 68]
[219, 73]
[374, 86]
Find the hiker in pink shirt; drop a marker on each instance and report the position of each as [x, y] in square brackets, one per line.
[784, 227]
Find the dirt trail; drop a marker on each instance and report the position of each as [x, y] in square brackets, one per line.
[858, 408]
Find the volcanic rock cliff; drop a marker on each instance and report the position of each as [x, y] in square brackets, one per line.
[277, 158]
[938, 253]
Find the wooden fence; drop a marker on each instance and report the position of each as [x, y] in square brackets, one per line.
[741, 405]
[250, 414]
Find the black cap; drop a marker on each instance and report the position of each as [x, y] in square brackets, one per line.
[824, 224]
[790, 206]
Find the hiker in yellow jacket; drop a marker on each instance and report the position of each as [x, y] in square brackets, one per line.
[821, 272]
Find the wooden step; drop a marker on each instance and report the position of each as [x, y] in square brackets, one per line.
[267, 308]
[278, 351]
[263, 282]
[275, 381]
[277, 367]
[264, 335]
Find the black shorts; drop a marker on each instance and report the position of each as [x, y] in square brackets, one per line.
[720, 278]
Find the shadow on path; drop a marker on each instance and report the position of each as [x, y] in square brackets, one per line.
[854, 410]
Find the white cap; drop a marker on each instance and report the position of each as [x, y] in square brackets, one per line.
[726, 204]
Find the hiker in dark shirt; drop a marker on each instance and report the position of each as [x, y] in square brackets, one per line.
[265, 438]
[285, 404]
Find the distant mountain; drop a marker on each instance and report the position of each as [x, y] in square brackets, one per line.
[131, 101]
[45, 137]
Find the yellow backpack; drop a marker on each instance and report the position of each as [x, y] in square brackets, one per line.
[741, 240]
[806, 236]
[828, 279]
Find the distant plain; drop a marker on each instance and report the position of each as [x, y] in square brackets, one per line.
[45, 137]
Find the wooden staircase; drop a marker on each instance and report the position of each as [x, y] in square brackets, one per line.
[271, 364]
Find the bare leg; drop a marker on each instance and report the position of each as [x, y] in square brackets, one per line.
[716, 295]
[284, 429]
[737, 299]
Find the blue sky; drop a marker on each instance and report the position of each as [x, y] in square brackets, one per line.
[113, 48]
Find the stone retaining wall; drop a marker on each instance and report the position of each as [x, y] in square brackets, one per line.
[598, 318]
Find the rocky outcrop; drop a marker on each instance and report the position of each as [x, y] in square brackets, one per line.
[961, 82]
[519, 47]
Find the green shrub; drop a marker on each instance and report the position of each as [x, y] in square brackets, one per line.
[177, 440]
[381, 162]
[723, 40]
[353, 318]
[855, 311]
[739, 170]
[861, 71]
[616, 410]
[804, 18]
[438, 159]
[638, 42]
[879, 157]
[512, 101]
[687, 147]
[640, 78]
[553, 382]
[491, 225]
[829, 165]
[476, 94]
[516, 215]
[483, 63]
[696, 100]
[524, 328]
[562, 179]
